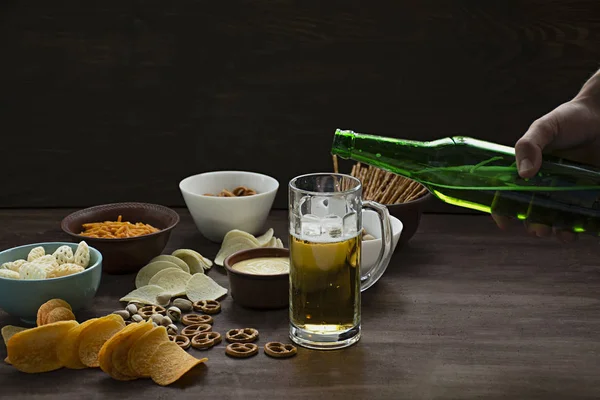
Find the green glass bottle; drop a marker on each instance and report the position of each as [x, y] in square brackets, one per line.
[483, 176]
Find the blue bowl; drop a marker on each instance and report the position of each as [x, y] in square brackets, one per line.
[23, 298]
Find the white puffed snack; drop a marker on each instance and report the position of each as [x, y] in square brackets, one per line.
[64, 270]
[9, 274]
[13, 265]
[32, 271]
[64, 255]
[36, 252]
[82, 255]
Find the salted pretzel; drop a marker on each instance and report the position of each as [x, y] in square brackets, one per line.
[147, 311]
[206, 340]
[245, 335]
[207, 306]
[241, 350]
[280, 350]
[182, 341]
[194, 319]
[192, 330]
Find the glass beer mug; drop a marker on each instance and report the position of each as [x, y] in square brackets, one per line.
[325, 256]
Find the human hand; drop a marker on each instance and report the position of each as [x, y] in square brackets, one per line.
[570, 131]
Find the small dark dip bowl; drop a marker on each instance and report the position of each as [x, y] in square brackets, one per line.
[258, 291]
[125, 255]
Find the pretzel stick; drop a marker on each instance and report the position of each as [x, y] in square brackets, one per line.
[412, 189]
[420, 193]
[335, 163]
[390, 190]
[384, 186]
[374, 184]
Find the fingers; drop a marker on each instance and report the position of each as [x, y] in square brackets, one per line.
[564, 236]
[528, 149]
[502, 222]
[537, 230]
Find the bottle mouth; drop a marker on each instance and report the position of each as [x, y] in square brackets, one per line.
[343, 143]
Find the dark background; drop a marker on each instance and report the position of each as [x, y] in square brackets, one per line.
[118, 100]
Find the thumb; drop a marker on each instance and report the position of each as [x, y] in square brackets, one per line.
[529, 149]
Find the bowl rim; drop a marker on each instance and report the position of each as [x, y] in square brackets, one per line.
[236, 198]
[275, 250]
[421, 199]
[167, 210]
[32, 245]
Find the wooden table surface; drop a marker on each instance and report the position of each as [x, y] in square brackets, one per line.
[464, 311]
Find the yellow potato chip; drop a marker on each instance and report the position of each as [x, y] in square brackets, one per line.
[140, 354]
[170, 362]
[105, 355]
[68, 348]
[93, 337]
[48, 306]
[203, 287]
[9, 330]
[120, 356]
[172, 280]
[34, 350]
[59, 314]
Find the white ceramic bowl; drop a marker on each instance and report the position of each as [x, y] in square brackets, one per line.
[215, 216]
[370, 248]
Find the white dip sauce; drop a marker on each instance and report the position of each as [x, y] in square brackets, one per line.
[264, 266]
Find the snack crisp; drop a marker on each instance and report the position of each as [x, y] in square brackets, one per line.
[148, 271]
[9, 274]
[120, 356]
[48, 306]
[172, 280]
[34, 350]
[145, 294]
[93, 337]
[170, 362]
[237, 240]
[202, 287]
[175, 260]
[105, 356]
[197, 263]
[141, 352]
[68, 348]
[59, 314]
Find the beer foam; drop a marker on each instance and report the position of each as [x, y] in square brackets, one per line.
[324, 238]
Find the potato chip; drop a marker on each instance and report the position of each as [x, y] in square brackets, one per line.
[265, 237]
[48, 306]
[9, 274]
[145, 295]
[172, 280]
[271, 243]
[82, 255]
[36, 252]
[233, 244]
[63, 270]
[141, 352]
[105, 356]
[202, 287]
[59, 314]
[34, 350]
[175, 260]
[193, 259]
[32, 271]
[170, 362]
[68, 348]
[64, 255]
[148, 271]
[120, 356]
[9, 330]
[93, 337]
[279, 244]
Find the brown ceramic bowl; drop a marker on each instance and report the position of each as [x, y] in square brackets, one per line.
[258, 291]
[127, 255]
[410, 215]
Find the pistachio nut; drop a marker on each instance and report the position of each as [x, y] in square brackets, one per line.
[174, 313]
[123, 314]
[137, 304]
[183, 304]
[137, 318]
[157, 318]
[132, 309]
[163, 299]
[154, 324]
[166, 321]
[172, 329]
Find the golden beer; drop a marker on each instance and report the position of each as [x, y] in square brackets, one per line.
[325, 285]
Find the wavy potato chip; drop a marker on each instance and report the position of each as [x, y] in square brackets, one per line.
[203, 287]
[193, 259]
[48, 306]
[148, 271]
[120, 356]
[105, 356]
[279, 244]
[141, 352]
[170, 362]
[265, 237]
[172, 280]
[34, 350]
[175, 260]
[233, 244]
[68, 348]
[59, 314]
[145, 295]
[93, 337]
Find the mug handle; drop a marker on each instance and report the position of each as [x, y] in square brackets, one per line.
[371, 277]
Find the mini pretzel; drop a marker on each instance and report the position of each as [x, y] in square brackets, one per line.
[245, 335]
[207, 306]
[147, 311]
[206, 340]
[182, 341]
[194, 319]
[280, 350]
[241, 350]
[192, 330]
